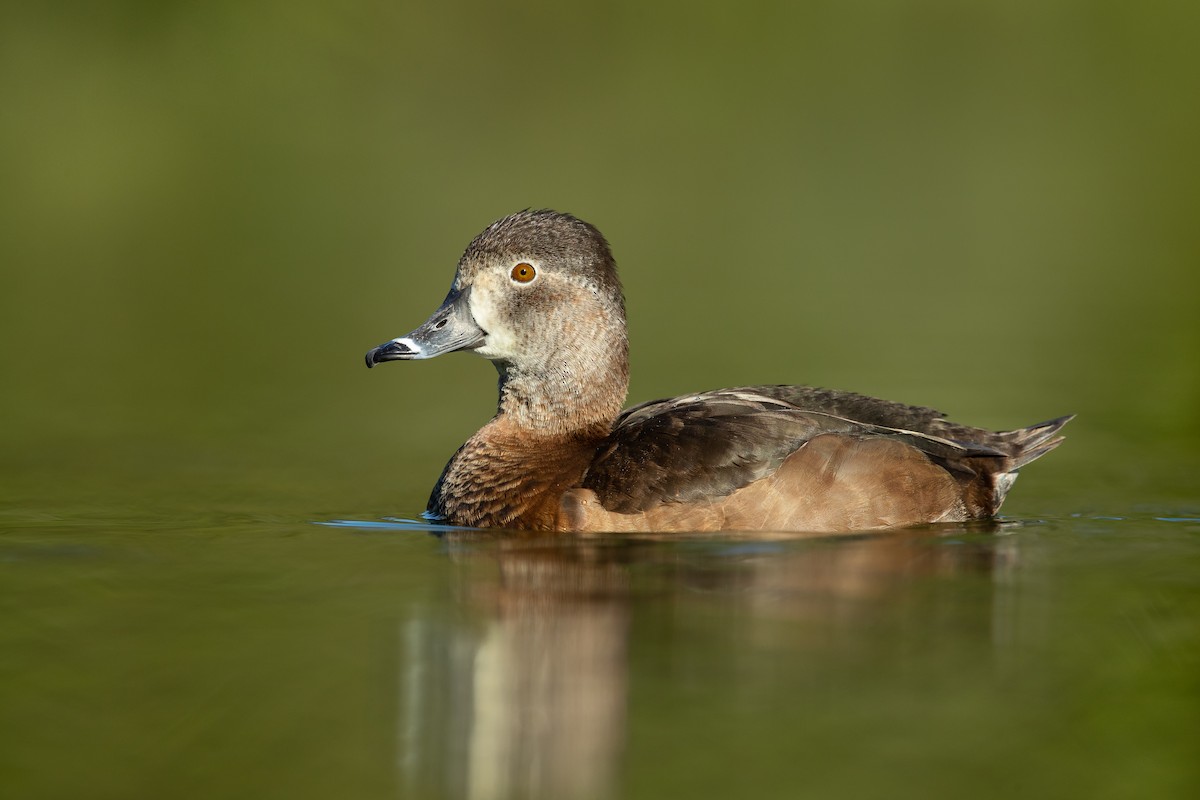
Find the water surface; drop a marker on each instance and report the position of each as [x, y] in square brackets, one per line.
[253, 656]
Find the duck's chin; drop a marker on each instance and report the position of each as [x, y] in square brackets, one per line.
[497, 349]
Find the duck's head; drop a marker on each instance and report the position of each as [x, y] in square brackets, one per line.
[537, 294]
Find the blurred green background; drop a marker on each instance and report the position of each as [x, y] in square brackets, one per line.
[211, 211]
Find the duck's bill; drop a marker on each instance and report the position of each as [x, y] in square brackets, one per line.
[451, 328]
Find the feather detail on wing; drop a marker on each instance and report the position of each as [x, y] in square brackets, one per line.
[708, 445]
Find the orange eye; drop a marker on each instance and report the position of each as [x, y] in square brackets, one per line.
[523, 272]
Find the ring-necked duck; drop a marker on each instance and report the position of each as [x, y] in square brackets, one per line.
[537, 294]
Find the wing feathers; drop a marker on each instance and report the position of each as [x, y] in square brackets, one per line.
[703, 446]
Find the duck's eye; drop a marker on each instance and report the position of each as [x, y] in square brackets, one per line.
[523, 272]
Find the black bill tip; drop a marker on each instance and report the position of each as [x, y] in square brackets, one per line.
[390, 351]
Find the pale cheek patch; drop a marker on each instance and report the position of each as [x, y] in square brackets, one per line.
[500, 343]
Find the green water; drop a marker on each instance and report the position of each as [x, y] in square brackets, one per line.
[208, 213]
[169, 631]
[257, 655]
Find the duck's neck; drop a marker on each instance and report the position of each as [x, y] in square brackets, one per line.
[584, 389]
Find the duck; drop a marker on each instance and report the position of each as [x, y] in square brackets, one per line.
[537, 294]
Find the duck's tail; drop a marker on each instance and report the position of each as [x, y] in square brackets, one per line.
[1030, 444]
[1025, 445]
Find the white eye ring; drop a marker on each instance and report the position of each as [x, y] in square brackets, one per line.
[523, 272]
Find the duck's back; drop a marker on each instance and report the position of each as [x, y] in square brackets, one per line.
[795, 458]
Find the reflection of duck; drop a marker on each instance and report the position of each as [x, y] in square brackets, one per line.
[537, 293]
[522, 695]
[525, 691]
